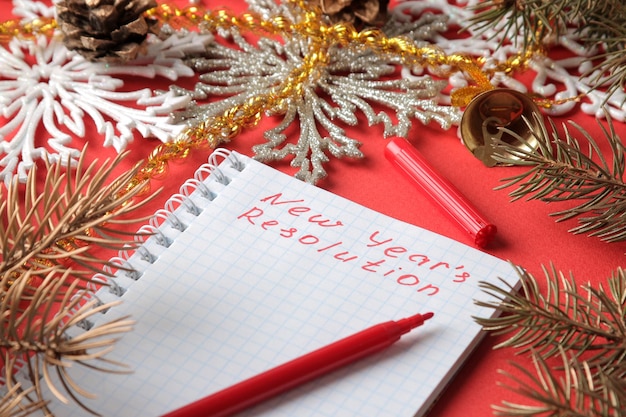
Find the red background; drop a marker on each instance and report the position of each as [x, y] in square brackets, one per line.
[527, 235]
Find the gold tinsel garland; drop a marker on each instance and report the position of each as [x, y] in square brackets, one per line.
[321, 37]
[308, 24]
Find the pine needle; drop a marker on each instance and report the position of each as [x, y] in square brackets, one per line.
[582, 327]
[41, 341]
[73, 214]
[51, 235]
[531, 24]
[14, 403]
[561, 171]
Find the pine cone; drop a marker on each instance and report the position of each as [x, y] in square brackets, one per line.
[105, 30]
[361, 13]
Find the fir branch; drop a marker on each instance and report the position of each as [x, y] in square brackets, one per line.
[13, 403]
[33, 335]
[535, 20]
[611, 71]
[561, 171]
[512, 22]
[575, 391]
[563, 318]
[51, 236]
[583, 326]
[74, 212]
[531, 24]
[606, 24]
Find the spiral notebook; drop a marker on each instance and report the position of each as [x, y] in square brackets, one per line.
[247, 268]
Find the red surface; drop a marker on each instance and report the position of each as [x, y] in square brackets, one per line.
[527, 235]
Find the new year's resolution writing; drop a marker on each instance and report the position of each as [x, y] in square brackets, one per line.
[404, 265]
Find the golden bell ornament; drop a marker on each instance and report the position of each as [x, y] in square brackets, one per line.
[491, 117]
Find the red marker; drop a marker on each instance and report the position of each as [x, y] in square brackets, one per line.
[441, 191]
[298, 371]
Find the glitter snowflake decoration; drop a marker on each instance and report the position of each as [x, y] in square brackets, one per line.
[354, 81]
[48, 94]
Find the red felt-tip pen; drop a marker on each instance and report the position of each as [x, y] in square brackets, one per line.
[402, 154]
[300, 370]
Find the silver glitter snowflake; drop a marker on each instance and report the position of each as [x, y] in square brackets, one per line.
[355, 81]
[49, 94]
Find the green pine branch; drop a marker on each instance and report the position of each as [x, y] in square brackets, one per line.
[611, 71]
[533, 23]
[562, 171]
[536, 20]
[581, 328]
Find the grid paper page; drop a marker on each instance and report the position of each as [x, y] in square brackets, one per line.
[274, 268]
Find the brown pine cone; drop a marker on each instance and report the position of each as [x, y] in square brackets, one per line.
[105, 30]
[361, 13]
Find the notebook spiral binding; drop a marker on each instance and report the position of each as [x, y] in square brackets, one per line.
[153, 238]
[162, 229]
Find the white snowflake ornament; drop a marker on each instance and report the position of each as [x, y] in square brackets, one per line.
[44, 84]
[32, 9]
[48, 94]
